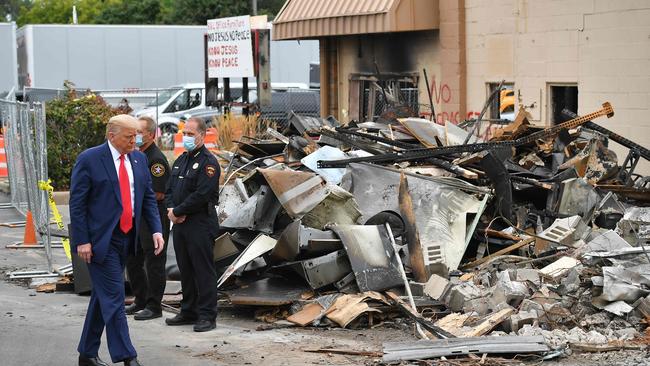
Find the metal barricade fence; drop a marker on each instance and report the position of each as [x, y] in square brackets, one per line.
[10, 117]
[26, 149]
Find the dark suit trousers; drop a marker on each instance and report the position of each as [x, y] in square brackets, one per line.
[146, 270]
[106, 307]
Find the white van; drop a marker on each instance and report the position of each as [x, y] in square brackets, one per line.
[183, 99]
[177, 99]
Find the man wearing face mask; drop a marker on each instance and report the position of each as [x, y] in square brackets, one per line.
[149, 286]
[191, 197]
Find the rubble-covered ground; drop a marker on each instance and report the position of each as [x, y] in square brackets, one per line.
[402, 241]
[536, 236]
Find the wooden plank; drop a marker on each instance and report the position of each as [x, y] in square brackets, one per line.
[503, 251]
[425, 323]
[489, 323]
[307, 315]
[453, 323]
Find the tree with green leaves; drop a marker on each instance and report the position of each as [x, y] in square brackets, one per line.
[199, 11]
[60, 11]
[10, 9]
[132, 11]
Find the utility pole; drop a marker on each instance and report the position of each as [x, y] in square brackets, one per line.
[254, 6]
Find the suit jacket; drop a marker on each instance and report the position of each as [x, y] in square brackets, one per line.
[96, 204]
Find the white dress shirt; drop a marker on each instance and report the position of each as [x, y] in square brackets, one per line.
[127, 164]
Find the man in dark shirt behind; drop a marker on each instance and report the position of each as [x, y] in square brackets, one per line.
[191, 197]
[149, 285]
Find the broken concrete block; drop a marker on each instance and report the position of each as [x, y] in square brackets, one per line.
[517, 321]
[626, 334]
[594, 337]
[508, 292]
[570, 283]
[417, 288]
[436, 287]
[559, 268]
[462, 293]
[529, 305]
[528, 275]
[479, 305]
[566, 231]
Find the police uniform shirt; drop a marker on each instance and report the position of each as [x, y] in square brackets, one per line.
[158, 167]
[194, 186]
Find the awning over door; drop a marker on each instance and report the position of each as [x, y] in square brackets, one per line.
[322, 18]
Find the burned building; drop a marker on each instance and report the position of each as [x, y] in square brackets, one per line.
[551, 55]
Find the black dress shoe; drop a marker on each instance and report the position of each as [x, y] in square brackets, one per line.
[91, 361]
[179, 320]
[132, 309]
[146, 314]
[132, 362]
[204, 325]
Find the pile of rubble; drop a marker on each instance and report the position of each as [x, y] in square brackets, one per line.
[535, 237]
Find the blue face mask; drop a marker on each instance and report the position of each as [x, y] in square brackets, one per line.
[188, 143]
[138, 140]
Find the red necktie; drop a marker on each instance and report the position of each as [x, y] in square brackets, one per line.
[126, 220]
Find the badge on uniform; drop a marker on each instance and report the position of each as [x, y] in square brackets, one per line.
[210, 170]
[196, 165]
[157, 170]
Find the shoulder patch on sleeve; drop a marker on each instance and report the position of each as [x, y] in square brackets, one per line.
[157, 170]
[210, 170]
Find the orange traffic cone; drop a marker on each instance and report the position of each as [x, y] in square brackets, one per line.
[178, 144]
[30, 232]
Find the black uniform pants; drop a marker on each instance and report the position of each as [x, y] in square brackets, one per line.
[193, 245]
[146, 270]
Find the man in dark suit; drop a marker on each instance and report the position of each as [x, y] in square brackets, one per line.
[149, 286]
[110, 192]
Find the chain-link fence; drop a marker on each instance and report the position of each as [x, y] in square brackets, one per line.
[24, 129]
[375, 104]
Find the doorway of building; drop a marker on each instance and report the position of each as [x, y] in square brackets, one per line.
[562, 96]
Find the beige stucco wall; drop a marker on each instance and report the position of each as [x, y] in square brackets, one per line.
[395, 52]
[602, 45]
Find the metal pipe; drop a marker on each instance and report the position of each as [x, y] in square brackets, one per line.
[406, 282]
[426, 80]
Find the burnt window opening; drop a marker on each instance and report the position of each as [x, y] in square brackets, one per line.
[503, 105]
[562, 96]
[376, 96]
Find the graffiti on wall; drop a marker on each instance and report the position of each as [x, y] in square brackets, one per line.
[441, 95]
